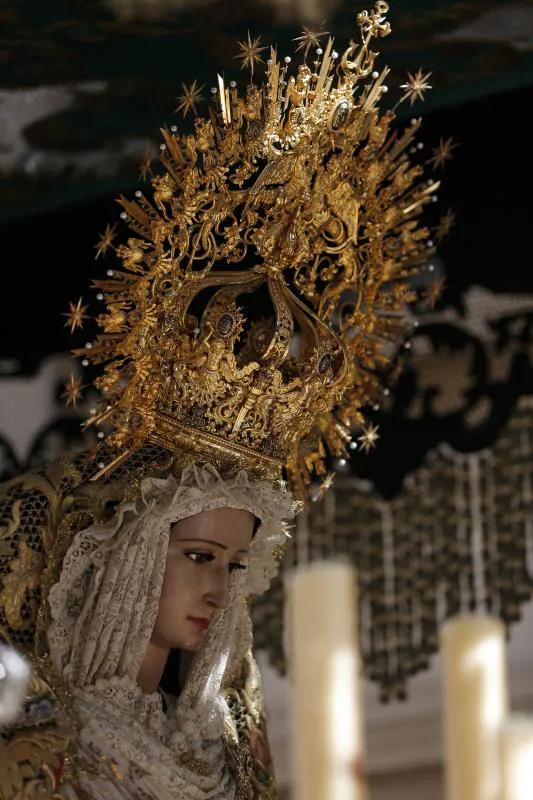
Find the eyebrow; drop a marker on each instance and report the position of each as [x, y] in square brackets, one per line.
[210, 541]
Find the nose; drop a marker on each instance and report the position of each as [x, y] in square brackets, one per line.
[217, 592]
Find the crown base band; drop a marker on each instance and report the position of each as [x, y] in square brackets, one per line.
[174, 435]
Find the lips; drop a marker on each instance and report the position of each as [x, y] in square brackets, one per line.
[202, 623]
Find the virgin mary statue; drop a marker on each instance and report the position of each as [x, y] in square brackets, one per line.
[148, 688]
[244, 323]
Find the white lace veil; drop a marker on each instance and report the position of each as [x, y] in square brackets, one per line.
[105, 603]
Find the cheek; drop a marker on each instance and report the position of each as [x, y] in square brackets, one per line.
[181, 595]
[180, 586]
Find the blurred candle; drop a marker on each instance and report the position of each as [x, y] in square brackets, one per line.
[475, 705]
[327, 714]
[517, 757]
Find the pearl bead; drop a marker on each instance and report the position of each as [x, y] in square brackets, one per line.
[110, 273]
[174, 128]
[162, 147]
[386, 392]
[334, 54]
[319, 51]
[88, 345]
[123, 215]
[413, 121]
[430, 242]
[101, 465]
[431, 268]
[287, 59]
[342, 462]
[100, 434]
[85, 362]
[92, 411]
[233, 84]
[376, 406]
[269, 62]
[375, 74]
[407, 345]
[353, 445]
[99, 296]
[138, 193]
[420, 145]
[384, 89]
[214, 90]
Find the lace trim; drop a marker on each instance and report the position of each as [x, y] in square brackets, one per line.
[121, 755]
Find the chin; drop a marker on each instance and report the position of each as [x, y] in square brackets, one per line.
[192, 645]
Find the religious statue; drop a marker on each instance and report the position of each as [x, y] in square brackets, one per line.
[126, 571]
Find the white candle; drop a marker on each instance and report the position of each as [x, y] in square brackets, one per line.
[517, 757]
[475, 705]
[327, 729]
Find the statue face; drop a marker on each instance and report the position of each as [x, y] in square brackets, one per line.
[203, 552]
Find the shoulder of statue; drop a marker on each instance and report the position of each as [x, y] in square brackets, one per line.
[247, 740]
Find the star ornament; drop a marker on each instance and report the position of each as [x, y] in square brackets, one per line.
[445, 225]
[442, 153]
[434, 293]
[75, 316]
[250, 53]
[105, 241]
[308, 39]
[192, 95]
[73, 391]
[415, 87]
[145, 167]
[320, 490]
[369, 438]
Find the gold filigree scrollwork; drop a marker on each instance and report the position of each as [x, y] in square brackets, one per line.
[303, 185]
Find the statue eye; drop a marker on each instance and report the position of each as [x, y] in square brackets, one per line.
[200, 558]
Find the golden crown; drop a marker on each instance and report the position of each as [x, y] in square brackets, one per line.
[296, 195]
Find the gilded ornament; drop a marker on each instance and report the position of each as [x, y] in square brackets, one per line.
[19, 586]
[324, 363]
[340, 115]
[299, 190]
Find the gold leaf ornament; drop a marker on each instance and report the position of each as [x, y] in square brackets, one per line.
[20, 584]
[294, 196]
[11, 526]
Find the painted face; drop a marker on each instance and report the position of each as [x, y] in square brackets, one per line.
[203, 552]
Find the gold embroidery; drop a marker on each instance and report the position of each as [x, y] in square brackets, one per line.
[198, 765]
[12, 523]
[34, 750]
[247, 749]
[20, 585]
